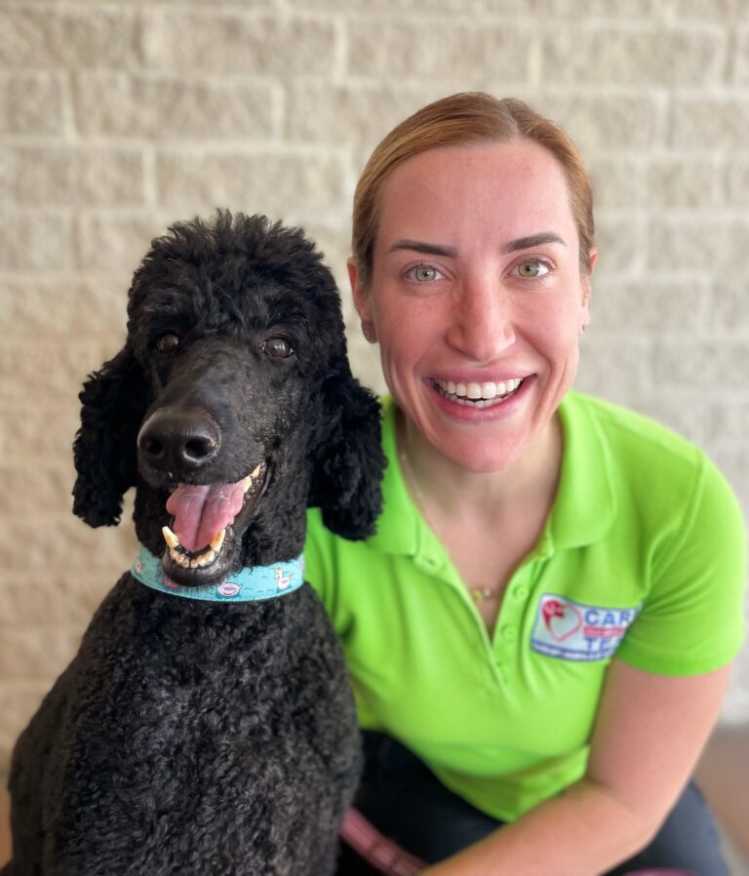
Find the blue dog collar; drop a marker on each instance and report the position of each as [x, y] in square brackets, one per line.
[251, 584]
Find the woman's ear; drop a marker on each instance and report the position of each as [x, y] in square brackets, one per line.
[362, 301]
[587, 284]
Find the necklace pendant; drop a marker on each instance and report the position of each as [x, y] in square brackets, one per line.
[481, 593]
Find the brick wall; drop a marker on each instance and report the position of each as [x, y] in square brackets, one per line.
[119, 117]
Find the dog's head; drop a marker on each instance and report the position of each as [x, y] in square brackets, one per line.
[232, 406]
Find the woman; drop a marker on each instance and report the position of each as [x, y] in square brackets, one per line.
[539, 635]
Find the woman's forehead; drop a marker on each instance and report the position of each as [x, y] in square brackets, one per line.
[517, 187]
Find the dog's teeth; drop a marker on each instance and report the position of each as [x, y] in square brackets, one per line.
[169, 537]
[205, 559]
[218, 540]
[179, 559]
[256, 471]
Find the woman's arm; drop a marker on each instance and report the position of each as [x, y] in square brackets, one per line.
[648, 736]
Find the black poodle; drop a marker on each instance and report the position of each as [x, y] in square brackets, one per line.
[206, 725]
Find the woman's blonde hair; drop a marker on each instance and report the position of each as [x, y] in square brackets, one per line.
[463, 118]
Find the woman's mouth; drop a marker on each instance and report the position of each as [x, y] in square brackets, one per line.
[478, 395]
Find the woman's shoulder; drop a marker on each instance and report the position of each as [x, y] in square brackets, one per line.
[661, 475]
[628, 431]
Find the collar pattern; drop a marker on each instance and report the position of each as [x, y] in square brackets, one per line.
[251, 584]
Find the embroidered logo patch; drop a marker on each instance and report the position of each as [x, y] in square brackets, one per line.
[575, 631]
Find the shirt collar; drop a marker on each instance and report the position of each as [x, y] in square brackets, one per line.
[583, 510]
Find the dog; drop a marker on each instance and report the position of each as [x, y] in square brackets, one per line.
[206, 725]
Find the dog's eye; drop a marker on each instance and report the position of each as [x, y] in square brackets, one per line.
[167, 343]
[278, 348]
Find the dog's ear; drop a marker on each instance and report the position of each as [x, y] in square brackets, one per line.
[113, 402]
[347, 461]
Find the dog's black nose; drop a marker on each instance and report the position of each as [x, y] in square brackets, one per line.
[177, 440]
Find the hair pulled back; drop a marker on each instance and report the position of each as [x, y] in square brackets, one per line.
[461, 119]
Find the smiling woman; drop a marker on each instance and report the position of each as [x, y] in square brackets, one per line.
[507, 706]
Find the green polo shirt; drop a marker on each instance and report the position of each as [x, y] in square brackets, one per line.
[642, 556]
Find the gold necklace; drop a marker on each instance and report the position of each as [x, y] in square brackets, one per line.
[478, 594]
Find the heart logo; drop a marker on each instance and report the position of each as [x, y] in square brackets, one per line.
[562, 619]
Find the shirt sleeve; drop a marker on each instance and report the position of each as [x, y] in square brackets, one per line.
[692, 620]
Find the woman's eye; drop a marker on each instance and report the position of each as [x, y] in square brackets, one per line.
[167, 343]
[278, 348]
[533, 269]
[423, 274]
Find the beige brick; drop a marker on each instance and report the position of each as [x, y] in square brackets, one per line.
[52, 596]
[116, 242]
[66, 304]
[727, 420]
[36, 241]
[70, 176]
[581, 9]
[163, 108]
[33, 486]
[34, 653]
[461, 8]
[225, 41]
[728, 312]
[709, 122]
[449, 51]
[695, 244]
[44, 431]
[709, 10]
[678, 182]
[617, 182]
[620, 243]
[618, 372]
[603, 121]
[270, 183]
[64, 542]
[651, 306]
[48, 367]
[335, 245]
[736, 185]
[49, 37]
[702, 365]
[32, 103]
[358, 113]
[674, 409]
[651, 55]
[365, 362]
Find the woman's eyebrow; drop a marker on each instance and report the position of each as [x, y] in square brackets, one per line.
[423, 247]
[532, 240]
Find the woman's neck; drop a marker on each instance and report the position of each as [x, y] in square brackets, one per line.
[440, 482]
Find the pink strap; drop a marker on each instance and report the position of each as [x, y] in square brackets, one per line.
[377, 850]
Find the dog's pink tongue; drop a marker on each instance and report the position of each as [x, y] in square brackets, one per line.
[200, 511]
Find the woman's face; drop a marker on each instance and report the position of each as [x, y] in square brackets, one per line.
[476, 297]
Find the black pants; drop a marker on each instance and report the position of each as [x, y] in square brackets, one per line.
[405, 801]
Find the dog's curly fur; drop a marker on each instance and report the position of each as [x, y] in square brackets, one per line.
[192, 737]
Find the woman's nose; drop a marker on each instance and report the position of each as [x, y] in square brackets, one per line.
[482, 325]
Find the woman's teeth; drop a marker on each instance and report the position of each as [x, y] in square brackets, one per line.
[479, 394]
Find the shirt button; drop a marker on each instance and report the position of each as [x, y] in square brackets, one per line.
[520, 592]
[508, 634]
